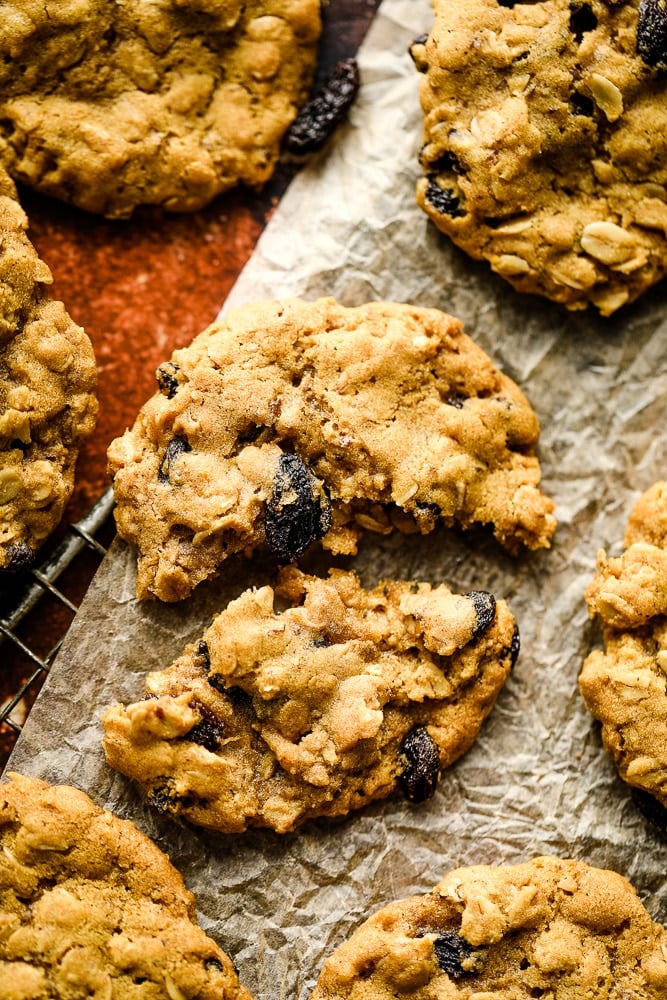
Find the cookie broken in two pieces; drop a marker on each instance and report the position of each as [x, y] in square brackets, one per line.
[287, 423]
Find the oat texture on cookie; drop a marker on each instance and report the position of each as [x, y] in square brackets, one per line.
[545, 928]
[625, 686]
[545, 142]
[111, 105]
[89, 906]
[289, 422]
[48, 404]
[315, 698]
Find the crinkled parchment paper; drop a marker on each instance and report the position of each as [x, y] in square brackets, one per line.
[537, 780]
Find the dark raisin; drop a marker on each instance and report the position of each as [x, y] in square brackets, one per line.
[318, 119]
[416, 53]
[582, 19]
[167, 379]
[451, 950]
[238, 696]
[207, 733]
[203, 655]
[456, 399]
[515, 646]
[446, 163]
[582, 105]
[165, 801]
[322, 642]
[298, 512]
[652, 33]
[21, 557]
[485, 611]
[421, 772]
[443, 200]
[213, 963]
[177, 446]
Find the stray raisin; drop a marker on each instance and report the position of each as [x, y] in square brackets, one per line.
[177, 446]
[451, 950]
[298, 512]
[420, 775]
[485, 611]
[21, 557]
[652, 33]
[443, 200]
[167, 380]
[207, 733]
[318, 119]
[582, 19]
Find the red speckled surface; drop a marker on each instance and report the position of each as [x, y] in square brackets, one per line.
[141, 288]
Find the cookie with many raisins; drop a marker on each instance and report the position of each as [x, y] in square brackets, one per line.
[89, 906]
[48, 404]
[112, 105]
[625, 686]
[545, 142]
[275, 717]
[544, 928]
[290, 422]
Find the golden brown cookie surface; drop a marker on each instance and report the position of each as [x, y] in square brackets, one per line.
[111, 105]
[545, 142]
[625, 687]
[89, 906]
[47, 393]
[277, 716]
[549, 927]
[288, 422]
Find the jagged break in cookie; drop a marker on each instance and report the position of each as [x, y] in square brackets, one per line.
[545, 142]
[112, 105]
[290, 422]
[90, 907]
[625, 687]
[546, 928]
[47, 393]
[274, 717]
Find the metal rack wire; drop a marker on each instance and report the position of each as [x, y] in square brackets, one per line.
[38, 592]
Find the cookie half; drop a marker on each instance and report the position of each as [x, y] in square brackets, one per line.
[111, 105]
[277, 716]
[625, 686]
[89, 906]
[545, 142]
[48, 404]
[548, 927]
[289, 422]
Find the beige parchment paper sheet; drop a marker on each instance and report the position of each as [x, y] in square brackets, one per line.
[537, 780]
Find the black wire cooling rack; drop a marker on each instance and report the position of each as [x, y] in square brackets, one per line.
[36, 614]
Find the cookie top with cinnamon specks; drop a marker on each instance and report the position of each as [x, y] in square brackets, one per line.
[545, 142]
[545, 928]
[625, 685]
[277, 716]
[112, 105]
[89, 906]
[288, 422]
[48, 403]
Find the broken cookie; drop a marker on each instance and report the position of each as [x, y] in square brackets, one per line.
[290, 422]
[277, 716]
